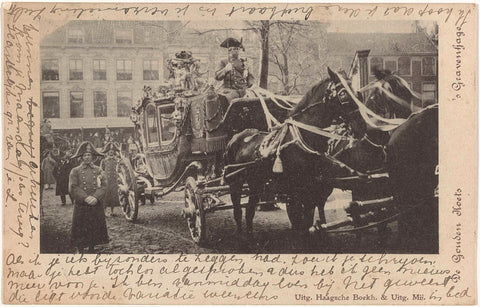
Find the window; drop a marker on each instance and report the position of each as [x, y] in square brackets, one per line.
[124, 70]
[150, 70]
[76, 70]
[123, 36]
[167, 124]
[391, 65]
[124, 103]
[51, 105]
[99, 104]
[429, 90]
[76, 104]
[49, 70]
[428, 66]
[404, 66]
[147, 36]
[151, 122]
[376, 63]
[75, 36]
[99, 70]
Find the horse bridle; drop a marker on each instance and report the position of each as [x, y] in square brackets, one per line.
[339, 92]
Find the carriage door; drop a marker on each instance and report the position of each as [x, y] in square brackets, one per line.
[164, 158]
[167, 127]
[151, 124]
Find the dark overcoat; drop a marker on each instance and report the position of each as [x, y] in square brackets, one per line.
[109, 167]
[61, 171]
[88, 225]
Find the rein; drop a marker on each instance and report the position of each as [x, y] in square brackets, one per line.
[368, 115]
[316, 130]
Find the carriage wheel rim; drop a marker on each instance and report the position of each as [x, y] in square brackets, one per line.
[131, 200]
[194, 223]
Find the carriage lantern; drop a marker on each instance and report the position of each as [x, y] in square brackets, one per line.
[134, 117]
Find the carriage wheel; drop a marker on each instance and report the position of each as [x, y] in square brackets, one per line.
[194, 211]
[128, 193]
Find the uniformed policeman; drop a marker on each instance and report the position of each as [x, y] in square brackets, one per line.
[109, 167]
[87, 185]
[233, 71]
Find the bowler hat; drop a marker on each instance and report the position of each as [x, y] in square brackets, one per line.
[86, 147]
[232, 42]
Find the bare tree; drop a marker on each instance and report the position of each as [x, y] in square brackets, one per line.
[294, 54]
[288, 46]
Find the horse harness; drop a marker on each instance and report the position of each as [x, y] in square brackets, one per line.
[274, 143]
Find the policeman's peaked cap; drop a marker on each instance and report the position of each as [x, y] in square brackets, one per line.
[86, 147]
[109, 146]
[232, 42]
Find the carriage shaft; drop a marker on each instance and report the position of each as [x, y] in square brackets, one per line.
[367, 205]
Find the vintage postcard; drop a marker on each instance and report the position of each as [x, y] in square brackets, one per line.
[228, 153]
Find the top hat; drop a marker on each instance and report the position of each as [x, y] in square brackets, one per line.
[86, 147]
[232, 42]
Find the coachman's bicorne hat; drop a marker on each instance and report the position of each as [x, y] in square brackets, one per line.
[109, 146]
[232, 42]
[86, 147]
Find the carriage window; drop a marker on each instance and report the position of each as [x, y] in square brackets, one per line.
[151, 122]
[428, 66]
[167, 124]
[376, 63]
[51, 105]
[404, 66]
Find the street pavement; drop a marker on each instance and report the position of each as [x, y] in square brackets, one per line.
[161, 229]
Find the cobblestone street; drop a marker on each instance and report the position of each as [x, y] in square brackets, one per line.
[160, 228]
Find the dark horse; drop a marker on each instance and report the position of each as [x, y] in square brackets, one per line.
[389, 97]
[408, 152]
[302, 154]
[412, 163]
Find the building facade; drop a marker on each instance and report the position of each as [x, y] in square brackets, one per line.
[413, 56]
[93, 72]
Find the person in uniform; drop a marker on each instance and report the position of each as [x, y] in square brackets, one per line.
[87, 185]
[61, 171]
[109, 167]
[233, 71]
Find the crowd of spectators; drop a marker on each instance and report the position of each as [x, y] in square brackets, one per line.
[98, 138]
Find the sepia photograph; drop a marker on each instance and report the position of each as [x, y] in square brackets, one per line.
[239, 153]
[239, 136]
